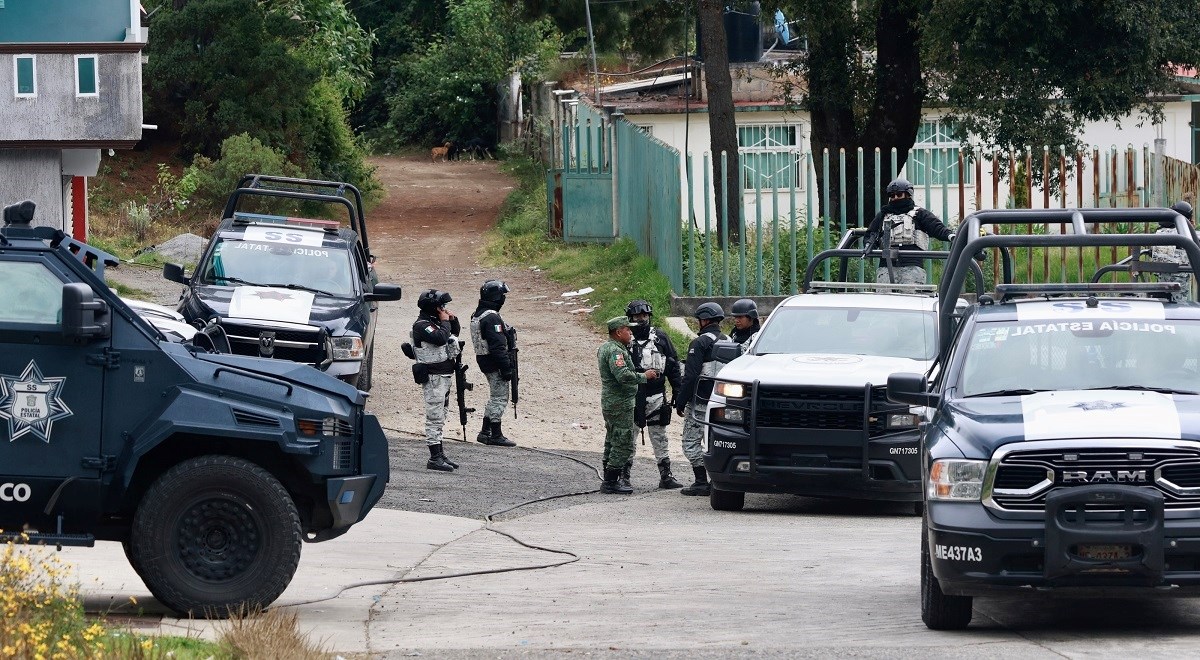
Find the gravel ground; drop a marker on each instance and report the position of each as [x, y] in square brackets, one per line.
[429, 233]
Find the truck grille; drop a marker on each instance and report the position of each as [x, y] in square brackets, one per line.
[1023, 479]
[304, 346]
[343, 454]
[822, 408]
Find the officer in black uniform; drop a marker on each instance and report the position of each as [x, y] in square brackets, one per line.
[495, 345]
[910, 227]
[435, 345]
[652, 349]
[745, 322]
[699, 362]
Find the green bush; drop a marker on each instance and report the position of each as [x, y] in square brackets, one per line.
[330, 150]
[213, 180]
[710, 255]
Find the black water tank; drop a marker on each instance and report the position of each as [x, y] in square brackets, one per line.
[743, 35]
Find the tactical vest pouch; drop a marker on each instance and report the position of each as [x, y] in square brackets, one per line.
[407, 349]
[420, 373]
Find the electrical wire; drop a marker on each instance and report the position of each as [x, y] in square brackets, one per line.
[488, 521]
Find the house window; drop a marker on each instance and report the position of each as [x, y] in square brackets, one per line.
[933, 159]
[770, 156]
[86, 83]
[25, 76]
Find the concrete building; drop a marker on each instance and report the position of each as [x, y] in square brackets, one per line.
[70, 86]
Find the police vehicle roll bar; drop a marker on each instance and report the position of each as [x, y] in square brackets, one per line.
[969, 241]
[854, 245]
[313, 190]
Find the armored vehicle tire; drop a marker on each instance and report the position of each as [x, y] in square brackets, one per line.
[215, 535]
[726, 500]
[939, 611]
[364, 372]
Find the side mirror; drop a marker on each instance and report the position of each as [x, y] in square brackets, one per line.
[84, 317]
[911, 389]
[726, 351]
[174, 273]
[384, 292]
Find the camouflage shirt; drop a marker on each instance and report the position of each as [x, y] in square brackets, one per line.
[618, 380]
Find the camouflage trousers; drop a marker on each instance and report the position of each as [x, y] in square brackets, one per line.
[904, 274]
[437, 402]
[1185, 282]
[693, 438]
[618, 434]
[658, 440]
[497, 396]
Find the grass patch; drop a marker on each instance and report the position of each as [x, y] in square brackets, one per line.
[617, 272]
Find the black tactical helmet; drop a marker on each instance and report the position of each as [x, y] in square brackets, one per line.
[431, 299]
[710, 310]
[493, 291]
[1183, 208]
[900, 185]
[638, 307]
[744, 307]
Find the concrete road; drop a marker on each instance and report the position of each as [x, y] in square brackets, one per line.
[658, 575]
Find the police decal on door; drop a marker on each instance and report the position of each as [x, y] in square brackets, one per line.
[32, 403]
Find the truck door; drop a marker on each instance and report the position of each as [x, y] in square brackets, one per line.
[50, 404]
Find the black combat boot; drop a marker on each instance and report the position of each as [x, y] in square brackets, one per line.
[624, 480]
[701, 486]
[437, 460]
[485, 434]
[612, 483]
[497, 438]
[666, 480]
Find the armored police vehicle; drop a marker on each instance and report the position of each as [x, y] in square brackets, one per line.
[210, 468]
[804, 411]
[1063, 453]
[290, 288]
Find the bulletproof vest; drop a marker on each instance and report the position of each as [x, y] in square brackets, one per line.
[905, 230]
[647, 354]
[427, 353]
[711, 367]
[481, 347]
[745, 346]
[1168, 253]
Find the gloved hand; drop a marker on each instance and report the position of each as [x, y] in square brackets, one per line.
[950, 238]
[506, 375]
[980, 256]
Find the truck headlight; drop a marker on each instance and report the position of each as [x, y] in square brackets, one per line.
[903, 420]
[730, 390]
[956, 479]
[731, 415]
[347, 348]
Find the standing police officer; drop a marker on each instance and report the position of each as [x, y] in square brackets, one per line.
[700, 362]
[1169, 254]
[652, 349]
[495, 350]
[910, 227]
[618, 392]
[745, 323]
[435, 345]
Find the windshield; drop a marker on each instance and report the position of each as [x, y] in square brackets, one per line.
[840, 331]
[238, 262]
[1016, 357]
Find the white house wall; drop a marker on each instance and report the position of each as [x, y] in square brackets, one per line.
[691, 135]
[34, 174]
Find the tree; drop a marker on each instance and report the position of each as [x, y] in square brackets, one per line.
[718, 85]
[1013, 74]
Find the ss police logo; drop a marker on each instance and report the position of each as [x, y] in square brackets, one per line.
[32, 403]
[266, 343]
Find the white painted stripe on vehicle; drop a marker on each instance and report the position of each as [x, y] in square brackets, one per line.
[1099, 414]
[269, 304]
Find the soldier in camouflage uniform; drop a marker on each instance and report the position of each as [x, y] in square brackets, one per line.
[700, 362]
[435, 345]
[909, 227]
[618, 393]
[1168, 254]
[495, 345]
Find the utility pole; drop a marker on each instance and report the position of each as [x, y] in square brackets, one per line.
[587, 7]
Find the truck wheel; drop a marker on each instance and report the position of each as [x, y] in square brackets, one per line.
[939, 611]
[364, 372]
[214, 535]
[726, 500]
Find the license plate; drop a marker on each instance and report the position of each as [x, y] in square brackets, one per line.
[1105, 552]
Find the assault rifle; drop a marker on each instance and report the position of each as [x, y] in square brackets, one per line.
[461, 387]
[516, 378]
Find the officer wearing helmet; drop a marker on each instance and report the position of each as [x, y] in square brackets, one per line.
[652, 349]
[908, 227]
[495, 345]
[1174, 255]
[745, 323]
[700, 362]
[435, 346]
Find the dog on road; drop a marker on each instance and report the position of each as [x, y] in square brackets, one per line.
[442, 152]
[476, 147]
